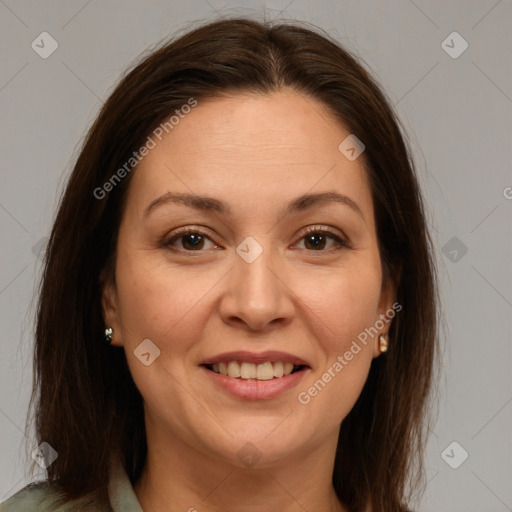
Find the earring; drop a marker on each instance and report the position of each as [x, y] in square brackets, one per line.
[109, 335]
[383, 343]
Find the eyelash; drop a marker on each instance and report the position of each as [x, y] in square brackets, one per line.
[325, 231]
[181, 232]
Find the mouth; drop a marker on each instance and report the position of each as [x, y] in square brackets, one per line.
[244, 370]
[255, 376]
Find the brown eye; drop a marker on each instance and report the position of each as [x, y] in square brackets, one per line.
[192, 241]
[188, 240]
[316, 240]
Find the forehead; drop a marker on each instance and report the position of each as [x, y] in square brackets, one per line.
[249, 149]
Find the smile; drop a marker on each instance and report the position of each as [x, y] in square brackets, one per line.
[246, 370]
[255, 376]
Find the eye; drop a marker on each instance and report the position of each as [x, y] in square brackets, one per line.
[316, 239]
[192, 239]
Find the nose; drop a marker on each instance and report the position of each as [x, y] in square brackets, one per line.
[257, 296]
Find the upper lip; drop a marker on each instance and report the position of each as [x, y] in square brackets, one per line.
[257, 358]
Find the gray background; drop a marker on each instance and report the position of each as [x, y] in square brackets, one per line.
[457, 111]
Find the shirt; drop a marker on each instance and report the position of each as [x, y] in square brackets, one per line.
[43, 498]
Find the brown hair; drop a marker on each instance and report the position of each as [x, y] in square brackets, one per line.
[85, 402]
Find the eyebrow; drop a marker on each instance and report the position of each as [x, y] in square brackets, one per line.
[210, 204]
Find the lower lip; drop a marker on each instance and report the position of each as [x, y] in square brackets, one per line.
[252, 389]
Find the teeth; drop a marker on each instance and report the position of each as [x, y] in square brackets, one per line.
[278, 369]
[223, 369]
[248, 371]
[244, 370]
[265, 371]
[233, 369]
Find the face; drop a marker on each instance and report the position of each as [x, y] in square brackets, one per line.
[255, 274]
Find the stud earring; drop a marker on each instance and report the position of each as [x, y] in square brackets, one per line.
[109, 335]
[383, 343]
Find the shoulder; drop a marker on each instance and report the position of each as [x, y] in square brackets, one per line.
[43, 497]
[35, 496]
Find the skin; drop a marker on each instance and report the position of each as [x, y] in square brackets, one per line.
[256, 153]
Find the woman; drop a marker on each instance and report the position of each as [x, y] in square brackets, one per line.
[244, 227]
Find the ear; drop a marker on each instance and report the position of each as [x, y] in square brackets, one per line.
[387, 300]
[109, 308]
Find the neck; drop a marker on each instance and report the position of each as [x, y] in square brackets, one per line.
[179, 477]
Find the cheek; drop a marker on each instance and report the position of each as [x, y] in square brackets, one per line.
[345, 309]
[335, 390]
[344, 305]
[168, 306]
[161, 303]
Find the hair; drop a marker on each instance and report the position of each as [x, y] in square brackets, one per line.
[85, 403]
